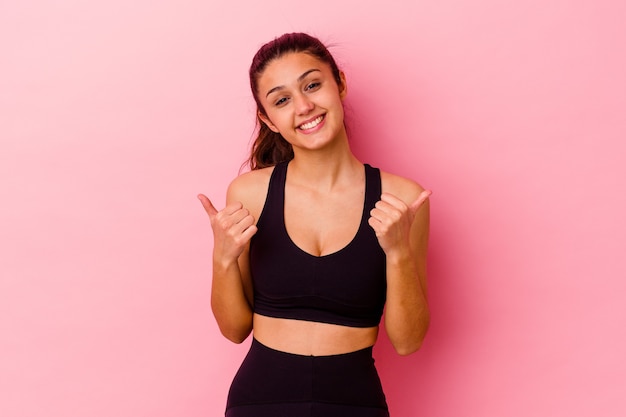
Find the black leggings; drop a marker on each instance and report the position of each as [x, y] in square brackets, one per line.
[271, 383]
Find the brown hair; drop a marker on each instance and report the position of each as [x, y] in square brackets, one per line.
[270, 148]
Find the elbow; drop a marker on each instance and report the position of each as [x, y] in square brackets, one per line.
[235, 329]
[236, 335]
[405, 349]
[234, 326]
[413, 342]
[237, 339]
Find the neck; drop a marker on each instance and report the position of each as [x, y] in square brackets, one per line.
[325, 169]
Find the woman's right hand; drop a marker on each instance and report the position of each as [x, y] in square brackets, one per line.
[233, 227]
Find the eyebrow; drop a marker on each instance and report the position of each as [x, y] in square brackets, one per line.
[300, 78]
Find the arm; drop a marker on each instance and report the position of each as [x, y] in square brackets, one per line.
[231, 291]
[402, 231]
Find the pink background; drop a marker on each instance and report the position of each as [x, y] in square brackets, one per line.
[114, 115]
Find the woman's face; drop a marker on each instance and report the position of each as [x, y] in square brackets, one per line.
[302, 100]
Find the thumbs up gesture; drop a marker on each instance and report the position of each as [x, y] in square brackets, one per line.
[391, 219]
[233, 227]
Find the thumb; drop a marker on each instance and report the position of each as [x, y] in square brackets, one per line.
[419, 201]
[208, 206]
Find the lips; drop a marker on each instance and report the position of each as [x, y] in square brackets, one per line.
[311, 124]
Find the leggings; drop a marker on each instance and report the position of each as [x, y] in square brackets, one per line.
[271, 383]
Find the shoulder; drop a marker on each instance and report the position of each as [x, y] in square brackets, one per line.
[250, 188]
[404, 188]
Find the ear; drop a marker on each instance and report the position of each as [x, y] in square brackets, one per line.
[343, 87]
[267, 121]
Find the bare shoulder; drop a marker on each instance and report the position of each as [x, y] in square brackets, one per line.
[250, 189]
[404, 188]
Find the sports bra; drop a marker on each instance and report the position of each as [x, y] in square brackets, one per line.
[347, 287]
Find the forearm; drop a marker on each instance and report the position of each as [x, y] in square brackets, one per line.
[229, 303]
[407, 316]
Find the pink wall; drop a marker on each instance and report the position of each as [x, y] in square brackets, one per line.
[114, 115]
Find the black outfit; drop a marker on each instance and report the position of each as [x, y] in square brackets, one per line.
[346, 287]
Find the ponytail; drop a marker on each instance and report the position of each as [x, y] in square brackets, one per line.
[269, 148]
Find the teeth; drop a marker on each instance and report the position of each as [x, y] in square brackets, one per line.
[312, 124]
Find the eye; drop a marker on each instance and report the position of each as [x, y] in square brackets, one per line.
[312, 86]
[280, 101]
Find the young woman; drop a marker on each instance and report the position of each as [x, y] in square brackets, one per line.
[310, 248]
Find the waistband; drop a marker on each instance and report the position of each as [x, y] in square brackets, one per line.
[270, 376]
[366, 352]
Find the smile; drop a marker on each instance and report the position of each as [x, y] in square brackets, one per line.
[311, 124]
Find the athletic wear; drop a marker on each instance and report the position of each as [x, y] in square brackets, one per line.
[271, 383]
[346, 287]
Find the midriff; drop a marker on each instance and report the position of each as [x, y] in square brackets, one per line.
[309, 338]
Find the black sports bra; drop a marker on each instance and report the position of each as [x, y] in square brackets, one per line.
[347, 287]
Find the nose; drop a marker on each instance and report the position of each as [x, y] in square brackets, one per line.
[303, 104]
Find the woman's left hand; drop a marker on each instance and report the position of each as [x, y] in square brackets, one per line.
[392, 218]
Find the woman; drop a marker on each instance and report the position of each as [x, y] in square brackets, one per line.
[311, 245]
